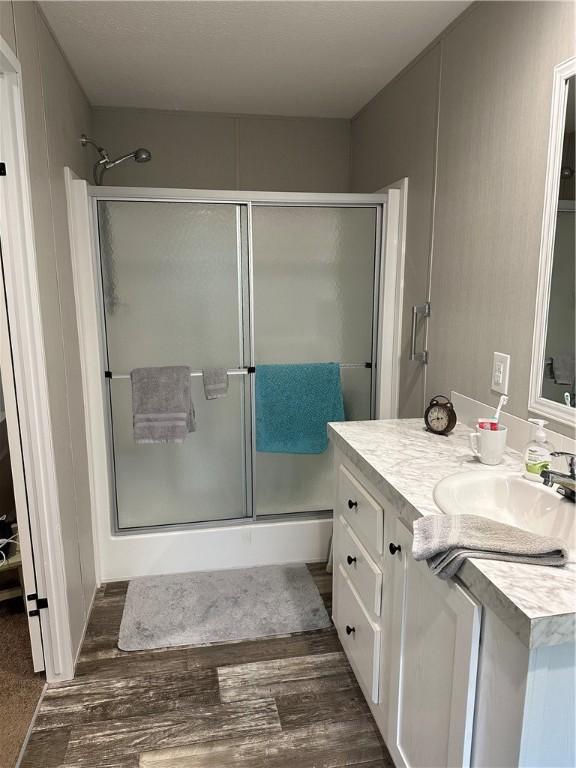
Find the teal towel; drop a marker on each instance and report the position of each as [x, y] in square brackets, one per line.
[293, 405]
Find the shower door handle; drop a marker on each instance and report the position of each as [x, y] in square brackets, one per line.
[418, 310]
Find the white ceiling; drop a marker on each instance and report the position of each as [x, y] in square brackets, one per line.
[307, 58]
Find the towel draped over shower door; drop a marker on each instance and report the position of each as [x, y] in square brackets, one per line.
[294, 404]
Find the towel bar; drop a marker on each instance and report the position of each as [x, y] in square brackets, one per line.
[233, 371]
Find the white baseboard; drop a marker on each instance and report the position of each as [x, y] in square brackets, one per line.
[208, 549]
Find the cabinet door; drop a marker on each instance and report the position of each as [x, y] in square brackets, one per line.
[435, 637]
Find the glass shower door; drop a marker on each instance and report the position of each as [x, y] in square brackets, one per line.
[173, 295]
[314, 270]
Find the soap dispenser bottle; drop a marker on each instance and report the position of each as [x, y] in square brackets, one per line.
[537, 453]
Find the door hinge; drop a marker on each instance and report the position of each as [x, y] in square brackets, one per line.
[41, 603]
[2, 169]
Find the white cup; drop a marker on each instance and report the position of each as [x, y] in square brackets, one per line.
[489, 444]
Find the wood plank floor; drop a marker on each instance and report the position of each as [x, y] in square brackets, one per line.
[281, 702]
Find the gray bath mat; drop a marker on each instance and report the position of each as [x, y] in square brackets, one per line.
[220, 606]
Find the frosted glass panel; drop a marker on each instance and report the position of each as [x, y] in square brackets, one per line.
[172, 295]
[313, 302]
[202, 479]
[313, 281]
[170, 277]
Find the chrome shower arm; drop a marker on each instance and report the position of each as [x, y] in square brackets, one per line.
[112, 163]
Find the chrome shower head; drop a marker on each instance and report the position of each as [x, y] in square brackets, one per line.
[140, 155]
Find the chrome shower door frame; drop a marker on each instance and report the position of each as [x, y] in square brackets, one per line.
[244, 203]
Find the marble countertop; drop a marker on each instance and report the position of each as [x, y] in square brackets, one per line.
[404, 462]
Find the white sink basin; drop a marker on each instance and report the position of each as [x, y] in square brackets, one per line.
[509, 498]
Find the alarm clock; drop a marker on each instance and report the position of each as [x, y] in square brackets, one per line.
[440, 417]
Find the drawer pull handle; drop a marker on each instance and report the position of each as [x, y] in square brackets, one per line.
[350, 630]
[352, 504]
[350, 559]
[394, 548]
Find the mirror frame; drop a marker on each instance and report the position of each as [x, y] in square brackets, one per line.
[552, 410]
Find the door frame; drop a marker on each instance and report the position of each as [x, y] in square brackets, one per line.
[391, 299]
[27, 567]
[27, 403]
[231, 543]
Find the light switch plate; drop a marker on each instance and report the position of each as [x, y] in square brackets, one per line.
[500, 373]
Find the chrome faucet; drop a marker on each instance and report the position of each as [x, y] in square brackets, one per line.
[566, 481]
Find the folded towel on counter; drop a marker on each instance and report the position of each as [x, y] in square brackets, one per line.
[294, 403]
[215, 383]
[445, 541]
[162, 407]
[563, 369]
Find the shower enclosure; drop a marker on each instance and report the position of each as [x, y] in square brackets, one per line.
[231, 283]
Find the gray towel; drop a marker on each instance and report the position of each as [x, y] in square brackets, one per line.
[563, 369]
[445, 541]
[161, 404]
[215, 382]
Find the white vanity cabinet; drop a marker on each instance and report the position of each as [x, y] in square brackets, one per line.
[474, 671]
[412, 639]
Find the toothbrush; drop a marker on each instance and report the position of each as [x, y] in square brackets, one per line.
[502, 402]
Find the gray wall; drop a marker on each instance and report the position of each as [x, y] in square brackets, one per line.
[56, 113]
[493, 142]
[209, 151]
[496, 65]
[392, 137]
[7, 24]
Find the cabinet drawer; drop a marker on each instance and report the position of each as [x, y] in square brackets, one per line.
[361, 511]
[364, 574]
[359, 636]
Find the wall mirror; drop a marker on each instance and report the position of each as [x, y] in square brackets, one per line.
[553, 374]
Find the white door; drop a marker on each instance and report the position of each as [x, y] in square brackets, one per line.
[435, 636]
[32, 606]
